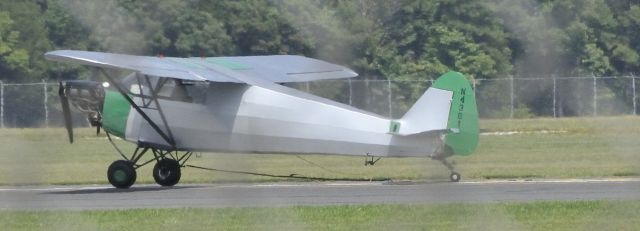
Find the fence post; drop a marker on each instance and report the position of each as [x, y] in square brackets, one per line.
[511, 95]
[473, 84]
[389, 97]
[554, 96]
[595, 95]
[1, 104]
[350, 93]
[633, 87]
[46, 101]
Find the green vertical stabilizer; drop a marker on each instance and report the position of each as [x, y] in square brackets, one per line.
[463, 116]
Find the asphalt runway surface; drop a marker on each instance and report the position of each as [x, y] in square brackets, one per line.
[313, 193]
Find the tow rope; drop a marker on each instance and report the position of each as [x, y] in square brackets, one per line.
[294, 176]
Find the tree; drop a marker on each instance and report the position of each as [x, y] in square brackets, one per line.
[256, 27]
[425, 39]
[571, 38]
[197, 33]
[64, 31]
[27, 40]
[13, 58]
[407, 41]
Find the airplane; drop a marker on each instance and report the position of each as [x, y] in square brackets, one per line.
[173, 107]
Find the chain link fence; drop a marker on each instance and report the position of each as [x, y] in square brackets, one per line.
[38, 105]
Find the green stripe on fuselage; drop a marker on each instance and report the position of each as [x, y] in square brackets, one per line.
[115, 113]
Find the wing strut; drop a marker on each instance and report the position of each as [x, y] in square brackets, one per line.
[155, 127]
[154, 97]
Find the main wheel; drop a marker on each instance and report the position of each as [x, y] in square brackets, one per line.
[121, 174]
[454, 177]
[166, 172]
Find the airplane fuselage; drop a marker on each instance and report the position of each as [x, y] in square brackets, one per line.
[242, 118]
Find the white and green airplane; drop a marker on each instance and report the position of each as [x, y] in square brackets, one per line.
[173, 107]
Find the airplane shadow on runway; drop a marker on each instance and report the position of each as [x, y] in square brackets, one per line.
[159, 188]
[117, 190]
[416, 182]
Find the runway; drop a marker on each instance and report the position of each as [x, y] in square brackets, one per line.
[313, 193]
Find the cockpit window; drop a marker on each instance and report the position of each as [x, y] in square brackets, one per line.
[136, 86]
[197, 90]
[174, 89]
[170, 89]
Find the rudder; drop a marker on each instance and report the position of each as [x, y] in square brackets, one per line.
[463, 115]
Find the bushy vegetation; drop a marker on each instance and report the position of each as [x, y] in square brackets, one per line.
[398, 40]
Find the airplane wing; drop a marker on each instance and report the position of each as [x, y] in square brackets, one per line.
[273, 68]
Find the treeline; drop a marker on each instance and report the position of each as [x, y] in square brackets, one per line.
[398, 40]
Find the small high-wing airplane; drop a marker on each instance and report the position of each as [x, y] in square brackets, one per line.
[173, 107]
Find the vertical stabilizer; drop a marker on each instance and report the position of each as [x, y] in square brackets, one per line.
[448, 106]
[429, 113]
[463, 116]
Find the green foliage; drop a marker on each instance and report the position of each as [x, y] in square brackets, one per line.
[197, 33]
[23, 39]
[256, 27]
[13, 57]
[571, 38]
[414, 40]
[431, 37]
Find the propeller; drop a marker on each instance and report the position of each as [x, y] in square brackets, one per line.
[86, 97]
[64, 100]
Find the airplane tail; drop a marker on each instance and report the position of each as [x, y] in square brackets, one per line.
[449, 105]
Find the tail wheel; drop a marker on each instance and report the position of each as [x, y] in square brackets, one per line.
[166, 172]
[455, 177]
[121, 174]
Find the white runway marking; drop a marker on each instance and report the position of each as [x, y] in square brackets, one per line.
[534, 181]
[52, 188]
[508, 133]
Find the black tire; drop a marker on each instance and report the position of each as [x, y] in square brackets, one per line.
[166, 172]
[455, 177]
[121, 174]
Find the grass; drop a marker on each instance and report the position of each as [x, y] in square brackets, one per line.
[544, 148]
[547, 216]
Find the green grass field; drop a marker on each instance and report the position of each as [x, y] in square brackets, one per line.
[540, 148]
[546, 216]
[510, 149]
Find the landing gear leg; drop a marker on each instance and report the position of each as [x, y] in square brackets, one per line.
[166, 172]
[454, 177]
